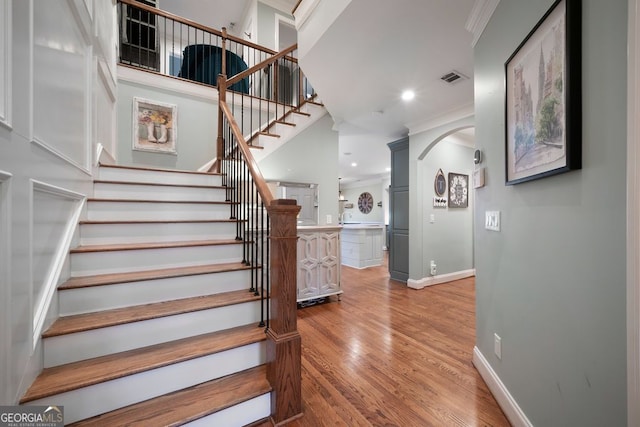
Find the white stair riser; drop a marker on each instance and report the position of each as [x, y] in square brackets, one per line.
[157, 177]
[155, 192]
[97, 298]
[91, 263]
[102, 234]
[241, 414]
[100, 398]
[114, 339]
[115, 211]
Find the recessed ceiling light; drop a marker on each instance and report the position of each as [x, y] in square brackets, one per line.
[408, 95]
[354, 164]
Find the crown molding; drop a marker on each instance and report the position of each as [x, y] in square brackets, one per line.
[443, 119]
[479, 17]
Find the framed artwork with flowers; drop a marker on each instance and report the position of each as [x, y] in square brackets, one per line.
[154, 126]
[458, 190]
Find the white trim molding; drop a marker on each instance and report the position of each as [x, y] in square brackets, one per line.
[5, 63]
[441, 120]
[5, 288]
[479, 18]
[633, 216]
[41, 307]
[304, 11]
[165, 83]
[442, 278]
[509, 406]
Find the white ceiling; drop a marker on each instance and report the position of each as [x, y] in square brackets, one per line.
[372, 52]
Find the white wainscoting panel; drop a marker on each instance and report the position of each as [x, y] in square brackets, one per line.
[5, 287]
[54, 216]
[5, 63]
[62, 61]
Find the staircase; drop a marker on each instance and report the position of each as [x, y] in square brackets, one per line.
[157, 324]
[278, 132]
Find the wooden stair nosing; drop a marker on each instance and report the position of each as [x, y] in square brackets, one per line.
[139, 168]
[119, 316]
[84, 373]
[189, 404]
[302, 113]
[137, 276]
[159, 184]
[153, 245]
[282, 122]
[196, 202]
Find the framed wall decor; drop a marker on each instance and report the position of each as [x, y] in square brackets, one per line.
[154, 126]
[543, 98]
[440, 183]
[458, 190]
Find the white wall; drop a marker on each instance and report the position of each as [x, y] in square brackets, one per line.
[310, 157]
[552, 282]
[197, 124]
[353, 191]
[55, 76]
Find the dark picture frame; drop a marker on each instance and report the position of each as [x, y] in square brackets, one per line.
[458, 190]
[544, 98]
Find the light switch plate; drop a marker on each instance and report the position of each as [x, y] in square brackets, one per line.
[492, 220]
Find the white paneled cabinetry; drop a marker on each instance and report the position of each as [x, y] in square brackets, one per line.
[318, 262]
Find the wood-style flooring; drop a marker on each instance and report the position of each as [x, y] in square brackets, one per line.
[387, 355]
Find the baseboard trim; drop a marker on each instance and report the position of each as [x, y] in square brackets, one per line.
[509, 406]
[443, 278]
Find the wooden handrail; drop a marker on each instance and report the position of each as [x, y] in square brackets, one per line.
[258, 179]
[194, 24]
[261, 65]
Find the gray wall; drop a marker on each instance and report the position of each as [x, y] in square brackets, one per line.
[449, 239]
[267, 25]
[552, 282]
[197, 127]
[421, 176]
[310, 157]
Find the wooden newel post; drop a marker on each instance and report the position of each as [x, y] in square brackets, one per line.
[283, 340]
[222, 97]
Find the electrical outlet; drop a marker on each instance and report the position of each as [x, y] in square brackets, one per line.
[433, 267]
[329, 219]
[497, 346]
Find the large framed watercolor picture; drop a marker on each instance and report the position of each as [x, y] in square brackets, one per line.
[543, 98]
[154, 126]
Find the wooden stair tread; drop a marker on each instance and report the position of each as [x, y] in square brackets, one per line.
[139, 168]
[302, 113]
[152, 245]
[119, 316]
[163, 273]
[158, 221]
[282, 122]
[196, 202]
[272, 135]
[72, 376]
[159, 184]
[188, 404]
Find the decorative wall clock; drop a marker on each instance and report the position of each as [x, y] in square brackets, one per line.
[458, 190]
[365, 202]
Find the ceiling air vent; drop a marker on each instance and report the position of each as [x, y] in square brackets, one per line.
[453, 77]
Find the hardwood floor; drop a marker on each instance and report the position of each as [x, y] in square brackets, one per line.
[387, 355]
